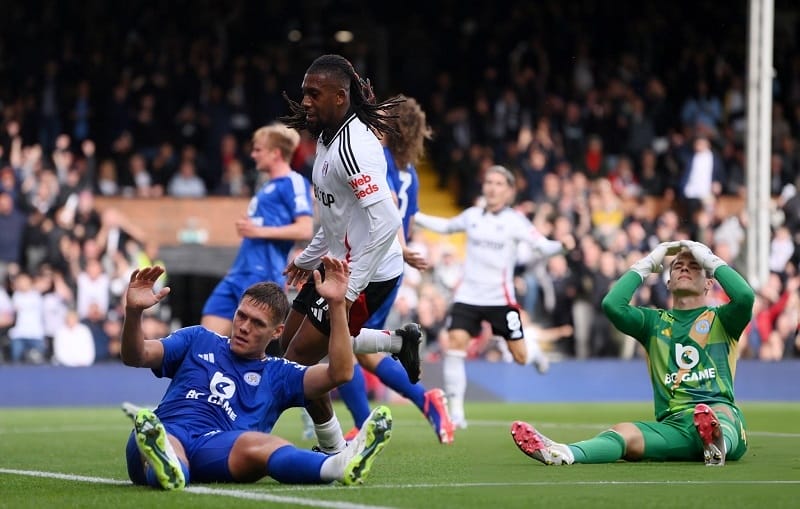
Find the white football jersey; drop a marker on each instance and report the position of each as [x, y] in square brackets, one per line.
[349, 175]
[491, 254]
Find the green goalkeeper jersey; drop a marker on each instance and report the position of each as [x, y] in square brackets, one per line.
[691, 354]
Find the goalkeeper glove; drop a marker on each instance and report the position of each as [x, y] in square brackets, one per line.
[704, 256]
[652, 263]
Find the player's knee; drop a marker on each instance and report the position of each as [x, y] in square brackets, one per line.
[633, 438]
[250, 454]
[369, 361]
[458, 339]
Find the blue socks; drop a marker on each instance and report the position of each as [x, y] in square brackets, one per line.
[394, 376]
[354, 396]
[290, 465]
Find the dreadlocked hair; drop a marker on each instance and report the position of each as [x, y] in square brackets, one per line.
[375, 115]
[411, 130]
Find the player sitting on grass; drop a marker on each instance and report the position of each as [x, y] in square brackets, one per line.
[692, 354]
[213, 423]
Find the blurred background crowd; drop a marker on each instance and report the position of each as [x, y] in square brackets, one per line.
[624, 122]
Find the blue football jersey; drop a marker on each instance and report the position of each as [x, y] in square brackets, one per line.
[405, 184]
[213, 389]
[278, 203]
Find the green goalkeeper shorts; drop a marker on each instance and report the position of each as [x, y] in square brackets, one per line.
[675, 437]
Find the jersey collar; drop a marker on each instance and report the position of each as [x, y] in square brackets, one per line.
[341, 128]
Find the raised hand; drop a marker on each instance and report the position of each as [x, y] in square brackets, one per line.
[337, 275]
[140, 293]
[652, 263]
[704, 256]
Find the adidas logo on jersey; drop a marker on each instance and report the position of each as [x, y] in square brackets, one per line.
[208, 357]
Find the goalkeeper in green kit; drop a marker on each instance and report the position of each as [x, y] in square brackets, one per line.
[691, 353]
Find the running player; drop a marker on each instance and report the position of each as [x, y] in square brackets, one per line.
[403, 147]
[486, 292]
[358, 222]
[278, 215]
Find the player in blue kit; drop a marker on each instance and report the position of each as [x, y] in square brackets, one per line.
[213, 423]
[278, 215]
[403, 146]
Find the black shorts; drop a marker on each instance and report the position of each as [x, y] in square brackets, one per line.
[309, 303]
[505, 320]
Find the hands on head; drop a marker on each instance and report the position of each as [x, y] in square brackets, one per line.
[704, 256]
[653, 262]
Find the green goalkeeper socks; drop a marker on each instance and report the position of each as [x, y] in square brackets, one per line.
[607, 447]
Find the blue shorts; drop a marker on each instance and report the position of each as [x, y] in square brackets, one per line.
[207, 453]
[224, 300]
[377, 319]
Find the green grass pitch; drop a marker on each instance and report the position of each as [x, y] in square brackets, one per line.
[74, 458]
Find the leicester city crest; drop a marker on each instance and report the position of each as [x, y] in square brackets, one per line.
[702, 326]
[252, 378]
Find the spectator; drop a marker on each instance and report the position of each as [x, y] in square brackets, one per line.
[73, 345]
[27, 334]
[234, 181]
[6, 321]
[142, 182]
[99, 328]
[702, 178]
[93, 289]
[186, 183]
[115, 233]
[702, 111]
[12, 224]
[107, 184]
[56, 299]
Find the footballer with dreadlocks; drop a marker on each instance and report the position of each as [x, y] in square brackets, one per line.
[359, 222]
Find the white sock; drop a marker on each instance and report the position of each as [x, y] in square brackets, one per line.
[332, 468]
[534, 351]
[330, 436]
[455, 382]
[374, 340]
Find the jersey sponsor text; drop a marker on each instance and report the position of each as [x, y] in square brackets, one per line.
[674, 379]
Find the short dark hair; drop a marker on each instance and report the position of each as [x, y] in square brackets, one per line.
[362, 96]
[269, 295]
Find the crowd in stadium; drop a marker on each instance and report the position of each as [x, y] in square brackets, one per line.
[615, 150]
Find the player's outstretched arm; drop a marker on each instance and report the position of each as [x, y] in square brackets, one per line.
[322, 378]
[135, 350]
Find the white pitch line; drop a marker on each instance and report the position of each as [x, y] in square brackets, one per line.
[201, 490]
[63, 477]
[575, 425]
[550, 483]
[402, 423]
[61, 429]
